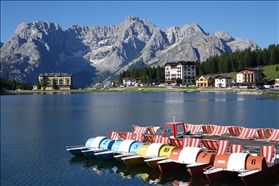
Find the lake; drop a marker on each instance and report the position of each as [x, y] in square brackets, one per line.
[36, 128]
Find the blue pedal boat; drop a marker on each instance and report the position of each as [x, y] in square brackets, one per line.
[103, 144]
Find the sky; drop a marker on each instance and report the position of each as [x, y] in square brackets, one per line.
[253, 20]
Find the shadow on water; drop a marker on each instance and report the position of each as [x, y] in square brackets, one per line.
[142, 171]
[272, 181]
[77, 160]
[134, 170]
[155, 176]
[234, 180]
[168, 177]
[193, 181]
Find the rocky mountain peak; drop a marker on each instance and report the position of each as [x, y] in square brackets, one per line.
[224, 35]
[131, 18]
[96, 53]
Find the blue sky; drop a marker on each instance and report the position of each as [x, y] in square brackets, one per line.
[254, 20]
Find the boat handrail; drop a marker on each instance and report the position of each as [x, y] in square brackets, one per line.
[208, 167]
[74, 146]
[151, 156]
[243, 171]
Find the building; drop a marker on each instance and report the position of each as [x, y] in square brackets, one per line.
[62, 81]
[114, 82]
[276, 83]
[181, 72]
[250, 77]
[222, 81]
[127, 81]
[205, 81]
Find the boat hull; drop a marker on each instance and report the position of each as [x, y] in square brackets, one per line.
[219, 175]
[198, 170]
[119, 157]
[92, 152]
[106, 155]
[204, 160]
[167, 166]
[153, 162]
[226, 165]
[76, 151]
[134, 161]
[261, 175]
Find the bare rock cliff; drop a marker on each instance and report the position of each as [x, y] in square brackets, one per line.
[96, 53]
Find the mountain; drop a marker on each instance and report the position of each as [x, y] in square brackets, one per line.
[95, 53]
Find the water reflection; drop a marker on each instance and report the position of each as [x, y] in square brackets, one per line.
[155, 176]
[147, 174]
[109, 167]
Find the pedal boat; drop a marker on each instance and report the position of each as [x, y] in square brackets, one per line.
[90, 143]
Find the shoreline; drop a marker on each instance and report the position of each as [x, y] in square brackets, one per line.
[144, 89]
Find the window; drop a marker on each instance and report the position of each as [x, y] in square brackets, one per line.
[168, 129]
[179, 129]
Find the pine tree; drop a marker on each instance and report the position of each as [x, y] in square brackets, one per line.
[39, 85]
[128, 73]
[158, 74]
[272, 54]
[144, 78]
[265, 57]
[259, 58]
[54, 85]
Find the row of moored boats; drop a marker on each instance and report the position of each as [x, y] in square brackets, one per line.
[179, 145]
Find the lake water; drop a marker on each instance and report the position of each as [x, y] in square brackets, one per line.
[36, 128]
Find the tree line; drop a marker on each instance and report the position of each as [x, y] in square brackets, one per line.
[240, 59]
[223, 63]
[14, 85]
[146, 74]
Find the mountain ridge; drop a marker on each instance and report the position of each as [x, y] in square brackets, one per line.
[96, 53]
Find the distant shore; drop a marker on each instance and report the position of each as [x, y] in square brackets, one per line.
[143, 89]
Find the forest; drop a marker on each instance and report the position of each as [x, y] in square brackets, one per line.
[226, 63]
[14, 85]
[221, 64]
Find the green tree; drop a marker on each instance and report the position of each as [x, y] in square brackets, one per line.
[232, 63]
[198, 68]
[144, 78]
[54, 84]
[158, 73]
[272, 54]
[120, 79]
[124, 74]
[277, 52]
[39, 85]
[247, 57]
[265, 57]
[128, 73]
[259, 58]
